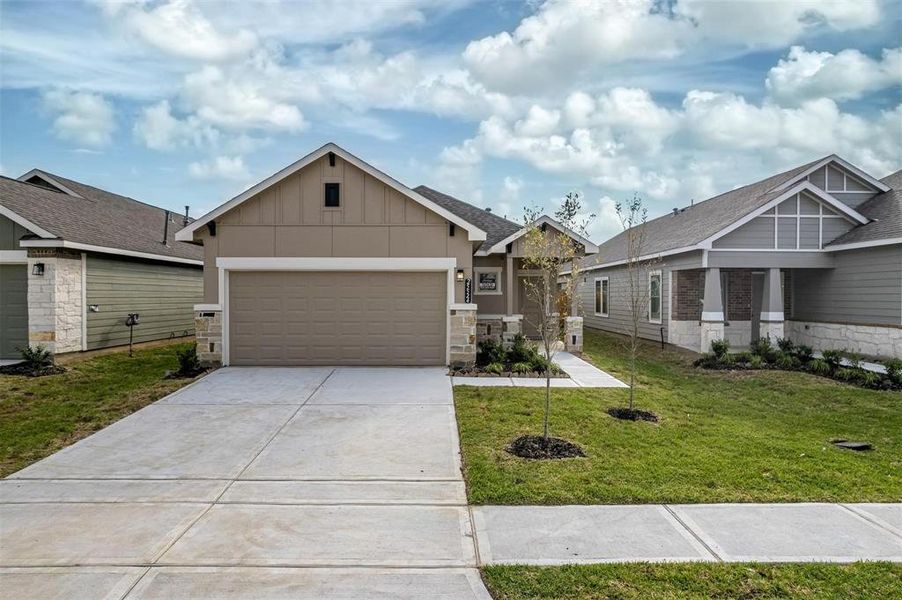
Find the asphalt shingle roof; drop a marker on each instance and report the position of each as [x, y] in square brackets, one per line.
[698, 222]
[884, 209]
[99, 217]
[496, 228]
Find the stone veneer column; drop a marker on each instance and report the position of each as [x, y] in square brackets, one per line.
[208, 334]
[513, 326]
[771, 325]
[55, 308]
[573, 334]
[712, 322]
[462, 342]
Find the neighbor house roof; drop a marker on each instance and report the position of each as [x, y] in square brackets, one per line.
[885, 212]
[686, 229]
[496, 228]
[84, 217]
[474, 232]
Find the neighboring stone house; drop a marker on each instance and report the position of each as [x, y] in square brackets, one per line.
[75, 260]
[813, 254]
[332, 262]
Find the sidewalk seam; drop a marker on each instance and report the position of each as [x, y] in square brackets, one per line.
[692, 532]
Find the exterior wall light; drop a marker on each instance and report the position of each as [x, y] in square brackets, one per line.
[460, 276]
[38, 269]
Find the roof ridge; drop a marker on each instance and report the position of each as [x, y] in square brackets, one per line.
[105, 191]
[470, 204]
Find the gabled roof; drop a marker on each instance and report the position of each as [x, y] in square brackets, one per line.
[496, 228]
[474, 232]
[89, 218]
[501, 246]
[885, 212]
[694, 224]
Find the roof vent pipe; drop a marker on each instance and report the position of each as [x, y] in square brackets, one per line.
[676, 211]
[185, 222]
[165, 228]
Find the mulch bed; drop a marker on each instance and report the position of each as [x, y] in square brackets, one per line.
[29, 371]
[625, 414]
[477, 372]
[538, 447]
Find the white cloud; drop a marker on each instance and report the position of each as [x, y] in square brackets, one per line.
[179, 27]
[158, 129]
[846, 75]
[220, 167]
[81, 117]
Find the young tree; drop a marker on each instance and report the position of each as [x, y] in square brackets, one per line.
[548, 252]
[633, 216]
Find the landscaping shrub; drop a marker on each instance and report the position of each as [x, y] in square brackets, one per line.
[743, 358]
[521, 367]
[720, 348]
[894, 370]
[496, 367]
[868, 379]
[804, 353]
[763, 348]
[785, 345]
[756, 362]
[521, 351]
[707, 360]
[833, 358]
[488, 352]
[36, 361]
[853, 360]
[820, 367]
[189, 364]
[844, 374]
[785, 361]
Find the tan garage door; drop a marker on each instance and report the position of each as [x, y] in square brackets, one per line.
[359, 318]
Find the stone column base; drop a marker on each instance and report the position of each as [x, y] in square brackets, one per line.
[573, 335]
[462, 350]
[489, 328]
[771, 329]
[710, 331]
[513, 326]
[208, 333]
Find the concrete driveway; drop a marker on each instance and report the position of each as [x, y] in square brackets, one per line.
[226, 487]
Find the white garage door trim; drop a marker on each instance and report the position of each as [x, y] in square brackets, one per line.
[271, 263]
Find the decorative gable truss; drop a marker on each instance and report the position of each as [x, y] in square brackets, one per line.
[804, 217]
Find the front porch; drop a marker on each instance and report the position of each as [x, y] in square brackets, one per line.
[737, 305]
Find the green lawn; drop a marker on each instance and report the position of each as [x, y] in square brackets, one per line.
[869, 581]
[723, 437]
[38, 416]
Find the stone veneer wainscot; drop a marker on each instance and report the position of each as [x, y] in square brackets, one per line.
[55, 300]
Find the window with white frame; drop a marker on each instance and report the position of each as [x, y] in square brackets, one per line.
[654, 296]
[601, 296]
[488, 281]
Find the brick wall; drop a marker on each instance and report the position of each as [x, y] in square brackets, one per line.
[688, 291]
[739, 295]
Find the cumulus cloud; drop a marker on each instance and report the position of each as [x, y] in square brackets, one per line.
[81, 117]
[159, 129]
[220, 167]
[179, 27]
[846, 75]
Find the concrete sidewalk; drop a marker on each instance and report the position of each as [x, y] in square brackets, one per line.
[810, 532]
[581, 375]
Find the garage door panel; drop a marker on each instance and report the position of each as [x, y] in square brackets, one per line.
[304, 318]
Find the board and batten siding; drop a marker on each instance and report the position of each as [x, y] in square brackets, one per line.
[10, 234]
[163, 295]
[864, 287]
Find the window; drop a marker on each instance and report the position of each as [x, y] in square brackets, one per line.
[333, 196]
[601, 296]
[488, 281]
[654, 296]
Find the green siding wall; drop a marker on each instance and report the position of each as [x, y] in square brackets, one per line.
[10, 234]
[163, 295]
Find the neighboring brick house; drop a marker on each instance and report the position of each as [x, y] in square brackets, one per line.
[75, 260]
[332, 262]
[813, 254]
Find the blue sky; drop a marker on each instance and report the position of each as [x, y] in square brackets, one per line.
[503, 104]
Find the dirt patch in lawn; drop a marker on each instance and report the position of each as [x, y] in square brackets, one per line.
[634, 414]
[542, 448]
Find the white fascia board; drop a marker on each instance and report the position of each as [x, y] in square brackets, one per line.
[13, 257]
[501, 246]
[48, 179]
[643, 258]
[329, 263]
[841, 162]
[802, 186]
[106, 250]
[17, 218]
[868, 244]
[187, 233]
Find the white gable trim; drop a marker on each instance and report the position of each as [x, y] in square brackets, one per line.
[48, 179]
[842, 163]
[187, 234]
[868, 244]
[17, 218]
[802, 186]
[501, 246]
[107, 250]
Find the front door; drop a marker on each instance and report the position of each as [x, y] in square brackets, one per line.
[529, 308]
[757, 299]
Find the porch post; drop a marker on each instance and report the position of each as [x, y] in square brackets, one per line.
[772, 306]
[712, 310]
[509, 272]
